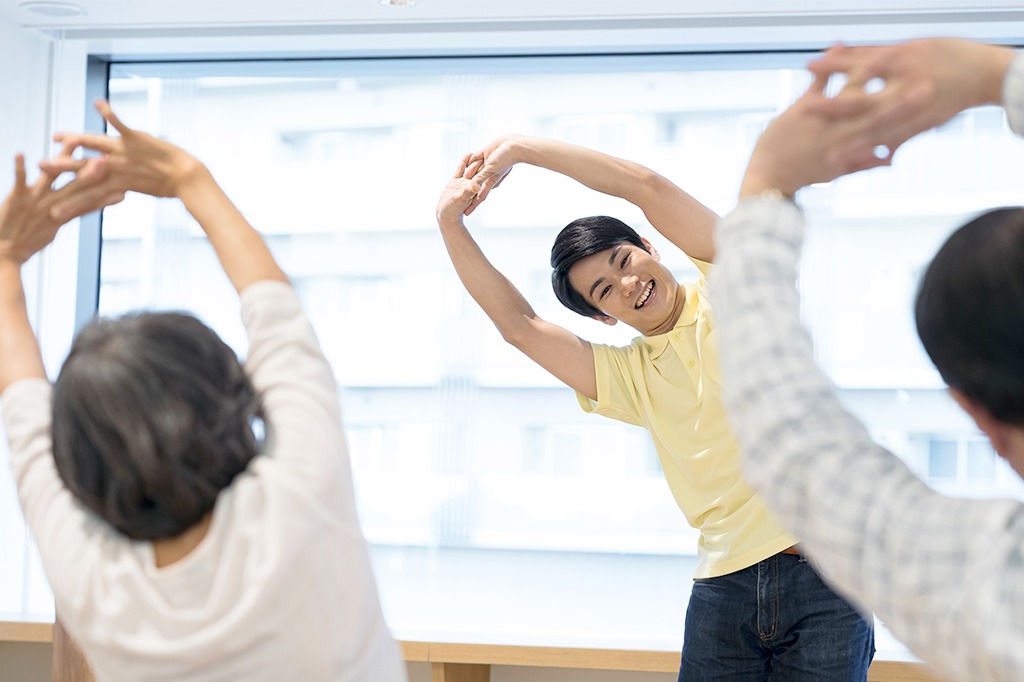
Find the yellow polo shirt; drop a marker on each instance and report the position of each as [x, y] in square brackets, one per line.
[670, 385]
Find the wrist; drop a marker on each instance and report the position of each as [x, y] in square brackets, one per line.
[522, 149]
[189, 175]
[10, 264]
[765, 187]
[448, 219]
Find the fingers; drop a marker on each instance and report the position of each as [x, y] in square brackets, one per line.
[485, 188]
[83, 201]
[103, 106]
[857, 62]
[906, 104]
[460, 171]
[836, 59]
[19, 172]
[99, 143]
[486, 184]
[500, 179]
[481, 190]
[62, 164]
[862, 67]
[472, 168]
[848, 103]
[478, 199]
[83, 193]
[853, 100]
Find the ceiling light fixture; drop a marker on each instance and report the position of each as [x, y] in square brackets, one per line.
[396, 3]
[53, 9]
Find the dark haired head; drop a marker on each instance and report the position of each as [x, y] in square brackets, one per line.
[970, 312]
[581, 238]
[152, 418]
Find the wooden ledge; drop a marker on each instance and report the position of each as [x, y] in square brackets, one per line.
[25, 631]
[553, 657]
[454, 662]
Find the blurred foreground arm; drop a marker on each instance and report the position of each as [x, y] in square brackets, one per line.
[944, 574]
[27, 225]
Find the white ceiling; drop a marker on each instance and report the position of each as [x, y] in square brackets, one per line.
[240, 28]
[192, 14]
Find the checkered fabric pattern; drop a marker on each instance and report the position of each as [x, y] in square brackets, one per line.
[946, 575]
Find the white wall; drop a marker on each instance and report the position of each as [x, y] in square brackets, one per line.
[24, 118]
[25, 85]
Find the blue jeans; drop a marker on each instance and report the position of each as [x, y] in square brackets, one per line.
[775, 620]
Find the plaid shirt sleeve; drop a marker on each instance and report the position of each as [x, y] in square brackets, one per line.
[946, 575]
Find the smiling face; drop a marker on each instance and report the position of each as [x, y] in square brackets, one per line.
[629, 284]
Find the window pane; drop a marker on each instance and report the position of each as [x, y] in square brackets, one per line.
[981, 461]
[469, 460]
[942, 459]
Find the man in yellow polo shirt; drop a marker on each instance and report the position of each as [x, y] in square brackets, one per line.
[757, 611]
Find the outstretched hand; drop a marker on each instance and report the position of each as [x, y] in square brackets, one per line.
[29, 220]
[137, 161]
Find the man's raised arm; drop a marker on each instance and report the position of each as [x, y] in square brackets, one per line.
[559, 351]
[679, 217]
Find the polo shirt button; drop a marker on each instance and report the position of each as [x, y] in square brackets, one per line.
[691, 362]
[676, 336]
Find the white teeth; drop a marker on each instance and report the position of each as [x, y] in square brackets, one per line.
[646, 295]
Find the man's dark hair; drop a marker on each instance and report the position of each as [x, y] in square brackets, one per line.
[581, 238]
[970, 312]
[152, 418]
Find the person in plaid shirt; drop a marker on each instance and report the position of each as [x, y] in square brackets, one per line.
[946, 575]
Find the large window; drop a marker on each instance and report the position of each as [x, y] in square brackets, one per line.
[475, 468]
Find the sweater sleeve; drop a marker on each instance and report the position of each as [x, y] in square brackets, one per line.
[298, 391]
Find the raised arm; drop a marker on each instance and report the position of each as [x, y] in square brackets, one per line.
[142, 163]
[877, 532]
[27, 225]
[679, 217]
[559, 351]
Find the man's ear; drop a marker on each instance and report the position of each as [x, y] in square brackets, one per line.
[997, 431]
[607, 319]
[650, 248]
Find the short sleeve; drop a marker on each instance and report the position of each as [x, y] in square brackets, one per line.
[618, 396]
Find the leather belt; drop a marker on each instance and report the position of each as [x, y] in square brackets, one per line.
[795, 549]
